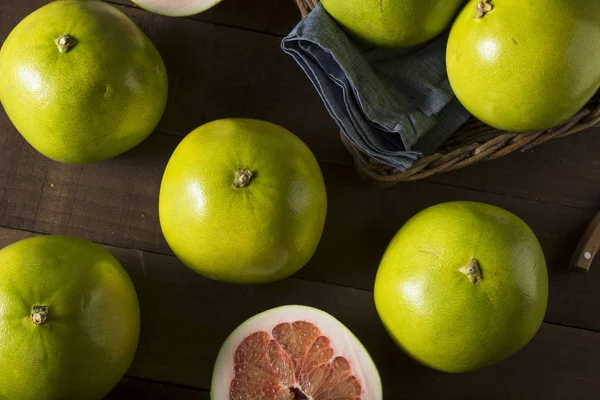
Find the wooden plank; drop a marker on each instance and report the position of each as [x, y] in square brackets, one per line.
[115, 202]
[112, 202]
[274, 17]
[179, 344]
[130, 388]
[564, 171]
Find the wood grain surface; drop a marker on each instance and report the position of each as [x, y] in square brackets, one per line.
[227, 63]
[130, 389]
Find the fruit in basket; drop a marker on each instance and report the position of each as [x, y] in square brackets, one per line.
[243, 201]
[81, 82]
[393, 23]
[294, 352]
[70, 320]
[179, 8]
[462, 286]
[525, 65]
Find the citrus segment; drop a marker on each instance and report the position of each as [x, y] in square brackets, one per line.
[294, 362]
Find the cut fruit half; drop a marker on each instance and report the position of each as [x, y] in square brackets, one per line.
[294, 353]
[176, 8]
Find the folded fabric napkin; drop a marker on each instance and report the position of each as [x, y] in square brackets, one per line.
[394, 105]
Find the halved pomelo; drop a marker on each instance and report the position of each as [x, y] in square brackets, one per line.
[176, 8]
[294, 353]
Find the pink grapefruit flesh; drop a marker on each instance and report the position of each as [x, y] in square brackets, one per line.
[294, 353]
[176, 8]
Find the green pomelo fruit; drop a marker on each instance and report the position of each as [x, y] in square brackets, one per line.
[69, 320]
[243, 201]
[526, 65]
[393, 23]
[462, 286]
[294, 352]
[81, 82]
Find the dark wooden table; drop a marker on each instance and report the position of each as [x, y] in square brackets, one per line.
[227, 63]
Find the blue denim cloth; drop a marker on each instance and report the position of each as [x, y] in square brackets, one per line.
[394, 105]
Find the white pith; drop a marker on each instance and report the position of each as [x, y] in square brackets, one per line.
[176, 8]
[343, 342]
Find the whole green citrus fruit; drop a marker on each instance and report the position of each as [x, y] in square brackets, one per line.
[525, 65]
[462, 286]
[393, 23]
[243, 201]
[81, 82]
[69, 320]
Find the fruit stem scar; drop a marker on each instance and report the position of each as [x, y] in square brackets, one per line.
[65, 43]
[483, 7]
[39, 315]
[473, 271]
[242, 178]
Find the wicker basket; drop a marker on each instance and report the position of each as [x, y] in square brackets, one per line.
[474, 142]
